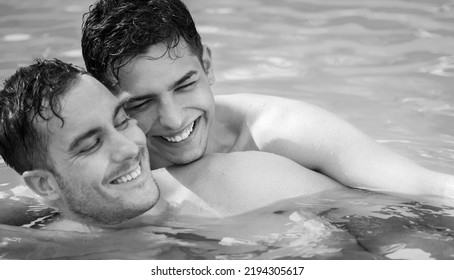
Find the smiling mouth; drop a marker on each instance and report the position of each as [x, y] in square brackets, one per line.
[181, 136]
[129, 177]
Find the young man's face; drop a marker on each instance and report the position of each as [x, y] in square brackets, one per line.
[100, 156]
[172, 102]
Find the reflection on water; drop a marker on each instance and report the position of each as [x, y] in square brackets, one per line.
[346, 224]
[386, 66]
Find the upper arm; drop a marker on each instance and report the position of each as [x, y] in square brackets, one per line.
[303, 132]
[319, 140]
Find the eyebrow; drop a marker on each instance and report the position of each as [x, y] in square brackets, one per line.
[186, 76]
[96, 130]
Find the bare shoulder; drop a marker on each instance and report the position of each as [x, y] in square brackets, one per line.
[274, 122]
[266, 113]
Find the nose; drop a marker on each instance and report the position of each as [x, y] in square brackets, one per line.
[170, 113]
[124, 148]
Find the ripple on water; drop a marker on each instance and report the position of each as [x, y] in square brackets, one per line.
[75, 8]
[443, 66]
[16, 37]
[72, 53]
[265, 67]
[429, 105]
[222, 11]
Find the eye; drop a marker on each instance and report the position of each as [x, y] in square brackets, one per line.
[91, 146]
[139, 105]
[187, 86]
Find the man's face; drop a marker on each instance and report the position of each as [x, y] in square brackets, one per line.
[100, 156]
[172, 102]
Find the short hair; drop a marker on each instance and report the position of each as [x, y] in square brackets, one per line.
[30, 93]
[116, 31]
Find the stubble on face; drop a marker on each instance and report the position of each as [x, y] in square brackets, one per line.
[97, 211]
[87, 205]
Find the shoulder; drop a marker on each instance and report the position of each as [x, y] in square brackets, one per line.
[263, 110]
[272, 119]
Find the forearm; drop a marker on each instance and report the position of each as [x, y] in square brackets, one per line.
[353, 159]
[376, 168]
[439, 187]
[319, 140]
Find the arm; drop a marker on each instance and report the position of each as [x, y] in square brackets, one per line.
[323, 142]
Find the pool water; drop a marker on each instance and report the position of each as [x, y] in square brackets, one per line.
[385, 66]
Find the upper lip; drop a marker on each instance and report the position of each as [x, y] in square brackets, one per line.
[173, 134]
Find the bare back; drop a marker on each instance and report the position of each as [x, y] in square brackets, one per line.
[239, 182]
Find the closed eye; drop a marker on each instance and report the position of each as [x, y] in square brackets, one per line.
[187, 86]
[90, 146]
[133, 106]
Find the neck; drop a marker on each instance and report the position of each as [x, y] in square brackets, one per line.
[153, 216]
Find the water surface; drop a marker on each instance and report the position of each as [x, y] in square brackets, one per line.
[385, 66]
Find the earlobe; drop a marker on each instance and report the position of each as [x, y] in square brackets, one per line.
[43, 183]
[208, 64]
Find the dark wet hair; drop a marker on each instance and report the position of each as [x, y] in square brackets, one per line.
[32, 93]
[115, 31]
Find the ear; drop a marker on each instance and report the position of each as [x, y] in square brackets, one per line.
[208, 64]
[43, 183]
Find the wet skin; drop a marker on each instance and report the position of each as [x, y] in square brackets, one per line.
[102, 172]
[172, 102]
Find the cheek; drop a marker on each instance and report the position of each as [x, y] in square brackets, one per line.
[208, 103]
[136, 133]
[203, 99]
[143, 125]
[88, 174]
[89, 171]
[144, 120]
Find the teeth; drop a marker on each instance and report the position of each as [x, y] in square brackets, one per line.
[182, 136]
[128, 177]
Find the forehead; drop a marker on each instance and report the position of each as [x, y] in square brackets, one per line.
[86, 105]
[158, 67]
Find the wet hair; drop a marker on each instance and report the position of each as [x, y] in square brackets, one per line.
[116, 31]
[32, 94]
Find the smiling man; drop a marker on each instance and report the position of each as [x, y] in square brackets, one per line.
[73, 143]
[151, 50]
[178, 111]
[91, 164]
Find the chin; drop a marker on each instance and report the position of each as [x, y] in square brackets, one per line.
[150, 197]
[189, 158]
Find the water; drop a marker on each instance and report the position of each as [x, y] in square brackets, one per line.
[385, 66]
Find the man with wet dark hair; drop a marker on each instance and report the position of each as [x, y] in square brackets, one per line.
[75, 146]
[26, 97]
[133, 27]
[70, 153]
[151, 50]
